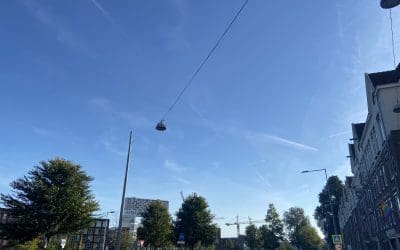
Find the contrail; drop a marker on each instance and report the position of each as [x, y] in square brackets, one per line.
[342, 133]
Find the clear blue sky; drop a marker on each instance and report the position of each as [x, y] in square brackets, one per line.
[277, 97]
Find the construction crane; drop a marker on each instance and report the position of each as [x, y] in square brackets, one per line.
[237, 223]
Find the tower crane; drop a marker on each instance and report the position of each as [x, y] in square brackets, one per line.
[238, 223]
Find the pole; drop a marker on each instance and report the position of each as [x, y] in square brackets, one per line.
[330, 202]
[118, 242]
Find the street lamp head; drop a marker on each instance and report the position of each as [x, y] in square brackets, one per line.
[304, 171]
[111, 212]
[388, 4]
[161, 126]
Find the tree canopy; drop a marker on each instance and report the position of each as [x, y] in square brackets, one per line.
[194, 220]
[301, 233]
[252, 237]
[275, 226]
[323, 212]
[308, 238]
[53, 199]
[157, 226]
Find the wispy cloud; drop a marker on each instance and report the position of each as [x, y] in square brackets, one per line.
[268, 139]
[339, 134]
[103, 11]
[111, 144]
[174, 166]
[181, 180]
[63, 33]
[134, 119]
[42, 131]
[108, 17]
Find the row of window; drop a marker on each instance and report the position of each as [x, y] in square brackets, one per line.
[382, 218]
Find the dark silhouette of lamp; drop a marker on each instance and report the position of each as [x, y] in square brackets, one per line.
[161, 126]
[388, 4]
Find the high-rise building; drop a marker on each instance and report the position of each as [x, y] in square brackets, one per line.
[134, 208]
[369, 211]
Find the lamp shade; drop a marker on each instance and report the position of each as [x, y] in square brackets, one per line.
[388, 4]
[161, 126]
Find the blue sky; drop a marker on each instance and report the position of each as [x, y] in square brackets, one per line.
[277, 96]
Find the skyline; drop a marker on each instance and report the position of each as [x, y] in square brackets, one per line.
[278, 96]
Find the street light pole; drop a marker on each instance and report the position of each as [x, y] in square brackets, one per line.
[329, 193]
[118, 243]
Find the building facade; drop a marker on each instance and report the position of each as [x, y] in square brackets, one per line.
[4, 218]
[369, 211]
[133, 208]
[92, 238]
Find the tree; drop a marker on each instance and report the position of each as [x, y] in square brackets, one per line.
[157, 226]
[285, 245]
[29, 245]
[253, 239]
[323, 212]
[294, 220]
[267, 238]
[308, 238]
[275, 228]
[53, 199]
[194, 220]
[126, 239]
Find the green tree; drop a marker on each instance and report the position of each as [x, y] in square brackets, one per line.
[194, 220]
[267, 238]
[252, 238]
[53, 199]
[126, 239]
[29, 245]
[285, 245]
[294, 220]
[157, 226]
[323, 212]
[275, 228]
[308, 238]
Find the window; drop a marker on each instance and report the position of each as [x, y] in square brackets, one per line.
[374, 141]
[397, 199]
[381, 128]
[384, 176]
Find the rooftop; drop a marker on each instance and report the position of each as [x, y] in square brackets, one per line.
[385, 77]
[358, 128]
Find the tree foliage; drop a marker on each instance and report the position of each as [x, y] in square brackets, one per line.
[323, 212]
[252, 238]
[301, 233]
[294, 219]
[308, 238]
[194, 220]
[53, 199]
[275, 228]
[157, 226]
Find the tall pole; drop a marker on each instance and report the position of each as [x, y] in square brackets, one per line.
[118, 242]
[330, 203]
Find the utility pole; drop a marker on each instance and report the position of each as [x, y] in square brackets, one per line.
[329, 193]
[118, 242]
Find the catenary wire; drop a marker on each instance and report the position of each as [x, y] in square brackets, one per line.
[391, 29]
[205, 60]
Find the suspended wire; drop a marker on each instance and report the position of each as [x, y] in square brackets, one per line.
[391, 29]
[205, 59]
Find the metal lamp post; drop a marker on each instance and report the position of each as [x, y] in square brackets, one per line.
[160, 127]
[329, 193]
